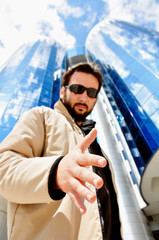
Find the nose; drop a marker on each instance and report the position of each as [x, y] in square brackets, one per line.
[83, 96]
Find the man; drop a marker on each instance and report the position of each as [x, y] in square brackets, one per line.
[46, 169]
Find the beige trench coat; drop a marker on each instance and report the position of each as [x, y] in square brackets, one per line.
[26, 157]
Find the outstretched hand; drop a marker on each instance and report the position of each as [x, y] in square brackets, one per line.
[72, 173]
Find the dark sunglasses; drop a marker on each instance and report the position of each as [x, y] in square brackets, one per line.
[79, 89]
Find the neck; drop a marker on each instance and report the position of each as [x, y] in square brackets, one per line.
[79, 123]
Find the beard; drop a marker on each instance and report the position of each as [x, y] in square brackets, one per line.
[78, 117]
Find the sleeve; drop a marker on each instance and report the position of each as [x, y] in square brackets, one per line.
[55, 194]
[23, 172]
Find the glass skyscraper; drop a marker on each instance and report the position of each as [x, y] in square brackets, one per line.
[128, 57]
[30, 78]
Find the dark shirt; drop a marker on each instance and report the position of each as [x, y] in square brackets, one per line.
[106, 196]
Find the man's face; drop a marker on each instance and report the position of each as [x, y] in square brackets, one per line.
[79, 105]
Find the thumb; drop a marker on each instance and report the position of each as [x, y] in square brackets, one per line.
[86, 142]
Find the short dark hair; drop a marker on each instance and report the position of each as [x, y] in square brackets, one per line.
[86, 68]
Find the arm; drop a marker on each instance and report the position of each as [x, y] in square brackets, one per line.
[24, 173]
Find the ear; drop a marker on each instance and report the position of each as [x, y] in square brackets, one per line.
[62, 93]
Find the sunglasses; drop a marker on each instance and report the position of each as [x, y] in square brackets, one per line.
[79, 89]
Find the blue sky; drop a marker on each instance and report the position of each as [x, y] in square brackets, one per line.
[66, 21]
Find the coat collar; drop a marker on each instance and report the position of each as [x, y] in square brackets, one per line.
[60, 108]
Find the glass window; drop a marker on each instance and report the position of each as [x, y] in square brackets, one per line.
[39, 75]
[4, 97]
[30, 103]
[46, 92]
[49, 79]
[8, 120]
[48, 85]
[34, 86]
[133, 83]
[44, 101]
[155, 118]
[49, 74]
[143, 146]
[150, 131]
[128, 137]
[9, 89]
[127, 59]
[143, 95]
[13, 109]
[18, 97]
[132, 126]
[146, 77]
[137, 68]
[34, 93]
[120, 51]
[153, 85]
[4, 133]
[135, 152]
[23, 110]
[151, 104]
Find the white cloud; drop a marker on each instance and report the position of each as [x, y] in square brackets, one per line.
[63, 8]
[23, 21]
[89, 21]
[137, 11]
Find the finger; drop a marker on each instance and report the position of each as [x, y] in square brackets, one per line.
[88, 140]
[92, 160]
[80, 188]
[85, 175]
[75, 197]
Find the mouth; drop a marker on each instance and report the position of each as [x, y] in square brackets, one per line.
[81, 106]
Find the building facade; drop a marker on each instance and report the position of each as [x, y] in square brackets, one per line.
[30, 78]
[128, 55]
